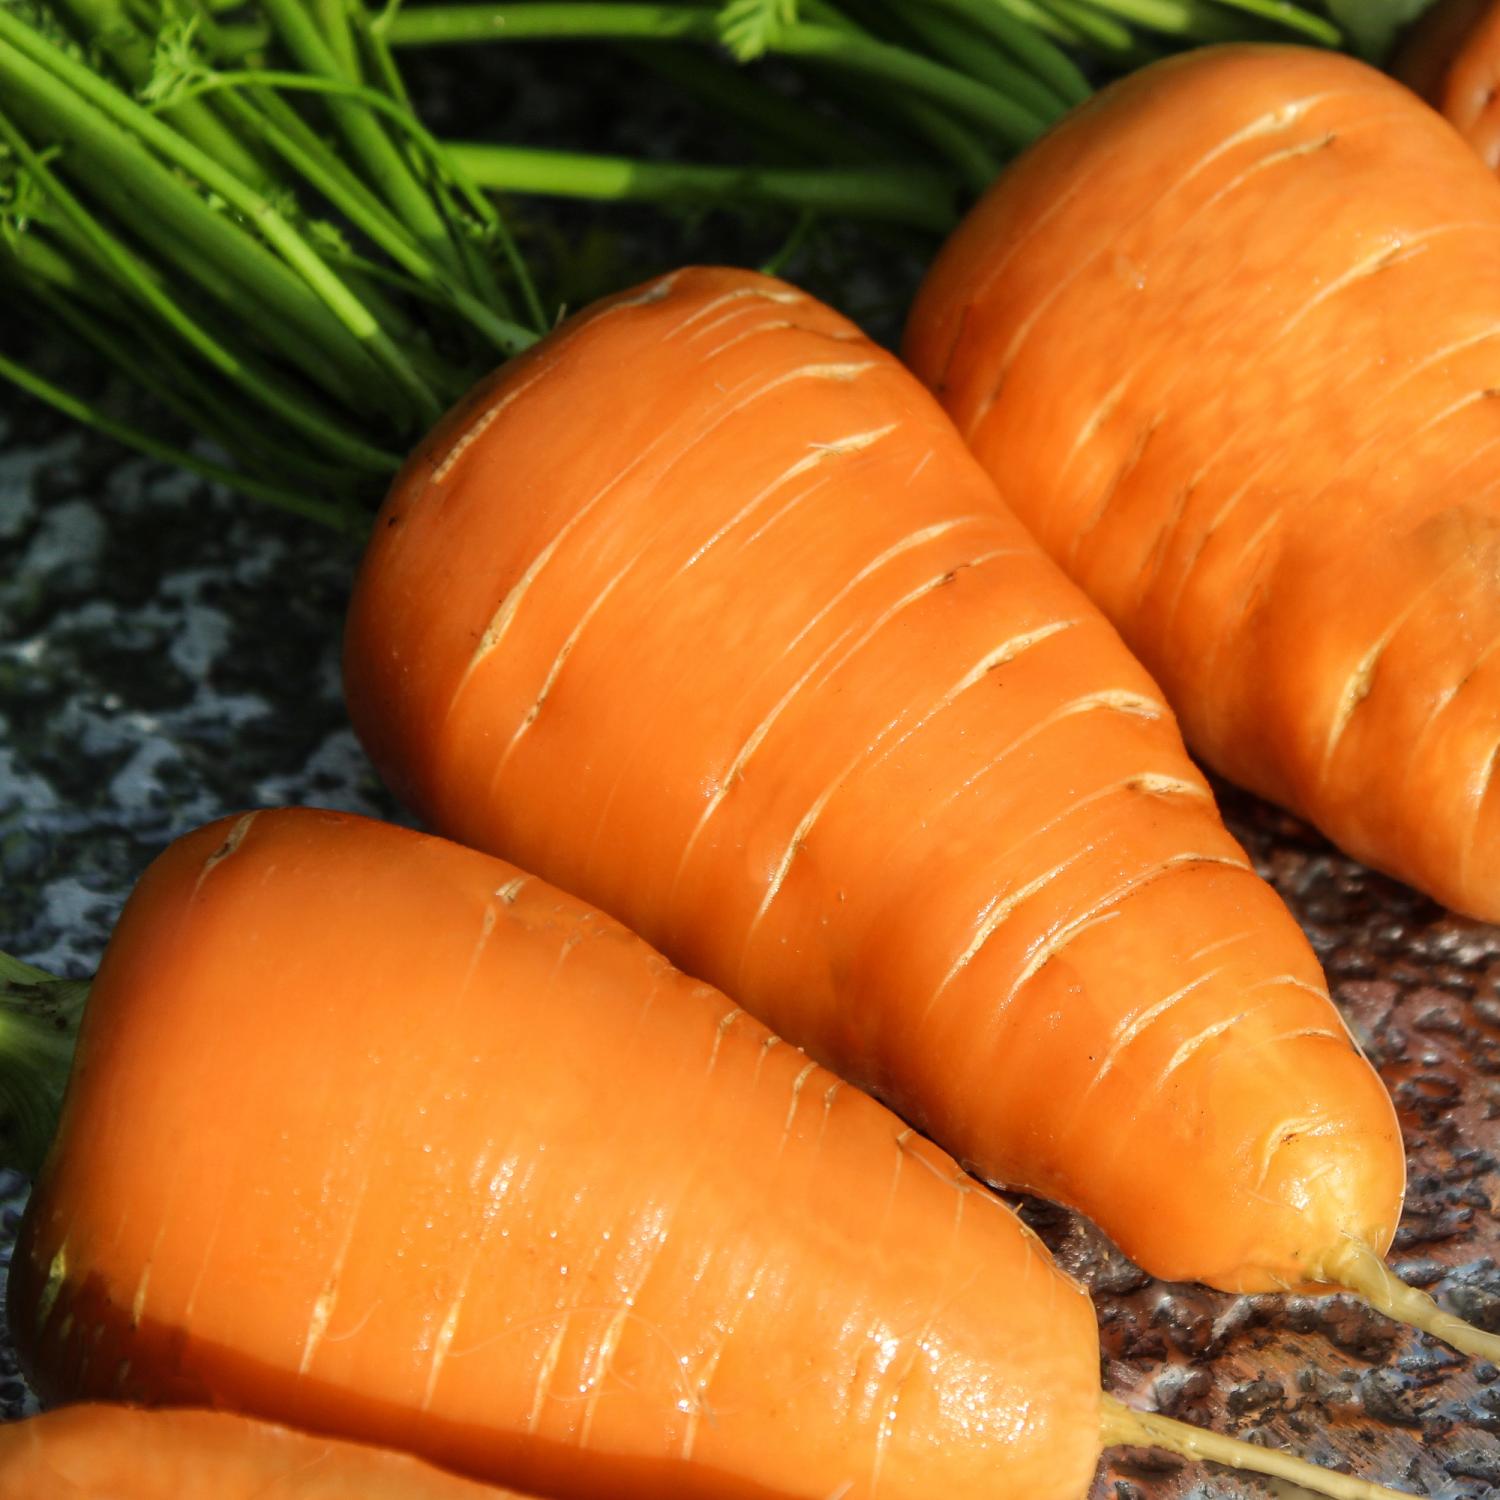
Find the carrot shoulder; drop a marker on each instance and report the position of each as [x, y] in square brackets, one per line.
[1226, 340]
[106, 1452]
[702, 610]
[378, 1136]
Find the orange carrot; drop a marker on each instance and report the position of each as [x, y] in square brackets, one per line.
[1452, 59]
[1227, 340]
[99, 1452]
[702, 610]
[377, 1134]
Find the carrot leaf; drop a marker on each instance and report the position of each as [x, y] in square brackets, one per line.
[749, 27]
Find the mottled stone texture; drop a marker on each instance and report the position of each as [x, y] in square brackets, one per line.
[168, 654]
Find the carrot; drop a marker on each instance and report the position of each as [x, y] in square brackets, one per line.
[378, 1134]
[702, 610]
[1451, 58]
[101, 1452]
[1227, 341]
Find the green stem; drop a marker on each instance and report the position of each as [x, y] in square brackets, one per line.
[369, 215]
[107, 25]
[953, 141]
[849, 51]
[1318, 29]
[776, 262]
[206, 408]
[387, 167]
[36, 259]
[198, 404]
[439, 25]
[508, 336]
[210, 33]
[39, 1018]
[1025, 43]
[477, 267]
[960, 46]
[1186, 20]
[1036, 15]
[67, 75]
[976, 164]
[333, 19]
[1098, 30]
[902, 195]
[1013, 124]
[93, 277]
[334, 516]
[107, 251]
[397, 106]
[231, 266]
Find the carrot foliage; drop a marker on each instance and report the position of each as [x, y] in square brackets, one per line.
[39, 1018]
[238, 210]
[247, 220]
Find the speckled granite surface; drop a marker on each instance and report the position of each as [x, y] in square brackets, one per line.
[168, 654]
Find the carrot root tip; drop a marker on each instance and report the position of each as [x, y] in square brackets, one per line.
[1358, 1268]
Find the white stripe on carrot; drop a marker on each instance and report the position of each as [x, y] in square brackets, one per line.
[1361, 681]
[1397, 249]
[773, 325]
[785, 296]
[545, 1372]
[854, 442]
[1139, 1021]
[1115, 700]
[1002, 905]
[227, 849]
[791, 1109]
[999, 910]
[1005, 652]
[1106, 908]
[757, 737]
[1282, 118]
[494, 1194]
[505, 615]
[1483, 788]
[725, 1022]
[1197, 1042]
[657, 291]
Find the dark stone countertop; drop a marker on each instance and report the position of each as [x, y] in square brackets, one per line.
[169, 654]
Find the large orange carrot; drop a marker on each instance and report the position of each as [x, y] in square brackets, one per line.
[1452, 59]
[702, 610]
[375, 1135]
[379, 1135]
[1228, 342]
[102, 1452]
